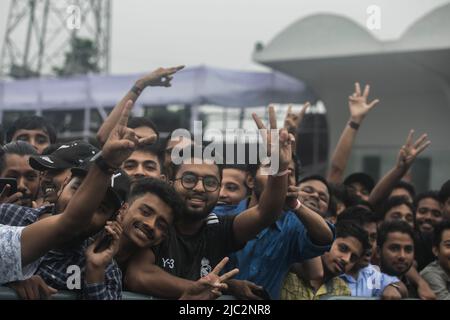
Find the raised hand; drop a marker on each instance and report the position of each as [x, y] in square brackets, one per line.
[293, 120]
[101, 258]
[161, 77]
[122, 141]
[210, 286]
[409, 151]
[285, 140]
[6, 198]
[357, 102]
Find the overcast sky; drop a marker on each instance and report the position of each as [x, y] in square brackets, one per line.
[151, 33]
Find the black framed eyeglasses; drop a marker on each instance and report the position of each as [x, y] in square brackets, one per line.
[190, 180]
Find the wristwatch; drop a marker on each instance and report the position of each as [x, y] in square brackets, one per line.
[102, 164]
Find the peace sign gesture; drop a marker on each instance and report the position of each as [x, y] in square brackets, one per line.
[357, 102]
[293, 120]
[122, 140]
[409, 151]
[285, 139]
[210, 286]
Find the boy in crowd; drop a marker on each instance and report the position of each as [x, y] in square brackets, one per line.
[437, 273]
[349, 246]
[14, 163]
[55, 166]
[35, 130]
[145, 162]
[428, 214]
[395, 248]
[398, 208]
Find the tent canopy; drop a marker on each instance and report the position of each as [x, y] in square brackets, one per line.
[192, 86]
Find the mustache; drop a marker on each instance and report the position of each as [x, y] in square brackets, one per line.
[149, 232]
[201, 195]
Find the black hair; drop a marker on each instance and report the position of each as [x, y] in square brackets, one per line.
[160, 188]
[444, 193]
[165, 142]
[153, 149]
[348, 228]
[20, 148]
[359, 215]
[407, 186]
[439, 230]
[395, 202]
[319, 178]
[136, 122]
[393, 226]
[31, 123]
[340, 193]
[428, 194]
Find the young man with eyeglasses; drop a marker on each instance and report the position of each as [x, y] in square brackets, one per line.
[200, 239]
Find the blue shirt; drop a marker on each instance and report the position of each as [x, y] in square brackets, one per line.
[266, 259]
[370, 282]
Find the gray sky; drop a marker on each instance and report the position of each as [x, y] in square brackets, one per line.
[151, 33]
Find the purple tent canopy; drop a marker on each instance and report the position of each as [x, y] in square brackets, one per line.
[192, 86]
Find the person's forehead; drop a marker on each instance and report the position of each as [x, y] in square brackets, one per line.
[370, 227]
[403, 208]
[153, 201]
[17, 161]
[317, 184]
[398, 237]
[235, 175]
[142, 156]
[429, 202]
[358, 185]
[180, 142]
[199, 168]
[30, 132]
[352, 243]
[144, 131]
[446, 235]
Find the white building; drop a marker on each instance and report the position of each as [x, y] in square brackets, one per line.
[410, 75]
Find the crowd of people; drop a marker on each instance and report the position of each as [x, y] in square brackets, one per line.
[123, 216]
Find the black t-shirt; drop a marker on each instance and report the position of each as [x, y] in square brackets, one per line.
[194, 256]
[423, 250]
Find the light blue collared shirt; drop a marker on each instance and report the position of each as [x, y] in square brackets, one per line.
[370, 282]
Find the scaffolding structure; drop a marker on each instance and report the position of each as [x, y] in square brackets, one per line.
[40, 32]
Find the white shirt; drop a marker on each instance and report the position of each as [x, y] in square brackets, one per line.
[11, 256]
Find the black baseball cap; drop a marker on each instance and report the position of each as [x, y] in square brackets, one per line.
[67, 156]
[361, 177]
[117, 192]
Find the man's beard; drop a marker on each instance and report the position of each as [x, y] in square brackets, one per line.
[391, 271]
[194, 216]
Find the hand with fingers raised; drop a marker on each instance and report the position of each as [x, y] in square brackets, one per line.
[101, 258]
[285, 143]
[6, 198]
[122, 141]
[293, 120]
[357, 102]
[409, 151]
[211, 286]
[161, 77]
